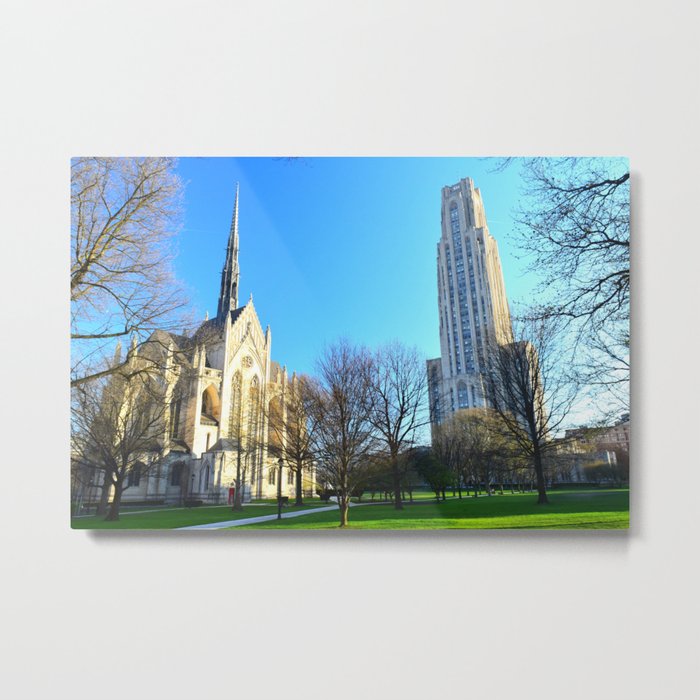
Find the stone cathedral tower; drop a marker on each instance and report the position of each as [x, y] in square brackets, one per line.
[224, 388]
[472, 303]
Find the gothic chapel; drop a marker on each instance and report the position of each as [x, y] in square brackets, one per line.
[226, 387]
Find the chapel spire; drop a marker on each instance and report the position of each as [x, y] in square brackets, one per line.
[228, 298]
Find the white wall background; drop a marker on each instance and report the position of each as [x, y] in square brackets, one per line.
[348, 615]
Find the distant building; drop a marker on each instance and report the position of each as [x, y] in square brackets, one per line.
[472, 303]
[592, 454]
[617, 436]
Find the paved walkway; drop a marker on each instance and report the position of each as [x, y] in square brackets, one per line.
[168, 509]
[258, 519]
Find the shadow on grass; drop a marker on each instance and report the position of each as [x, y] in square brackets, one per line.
[600, 510]
[507, 506]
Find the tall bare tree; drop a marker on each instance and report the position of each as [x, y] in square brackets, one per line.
[531, 389]
[447, 448]
[473, 444]
[340, 403]
[576, 225]
[488, 452]
[399, 392]
[574, 229]
[124, 215]
[118, 423]
[291, 430]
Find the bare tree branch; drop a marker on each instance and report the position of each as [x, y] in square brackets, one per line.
[125, 213]
[399, 390]
[340, 403]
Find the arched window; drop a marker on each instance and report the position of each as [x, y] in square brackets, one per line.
[271, 475]
[253, 428]
[254, 410]
[275, 427]
[175, 418]
[462, 395]
[134, 478]
[211, 406]
[236, 415]
[176, 474]
[205, 477]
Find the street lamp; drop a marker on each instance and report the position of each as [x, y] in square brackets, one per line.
[280, 462]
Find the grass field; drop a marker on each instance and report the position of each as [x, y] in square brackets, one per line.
[168, 518]
[575, 509]
[579, 509]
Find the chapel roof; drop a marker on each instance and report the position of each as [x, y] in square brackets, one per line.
[177, 445]
[223, 445]
[236, 313]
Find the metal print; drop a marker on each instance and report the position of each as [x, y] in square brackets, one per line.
[451, 343]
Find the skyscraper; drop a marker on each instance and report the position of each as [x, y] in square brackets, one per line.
[472, 303]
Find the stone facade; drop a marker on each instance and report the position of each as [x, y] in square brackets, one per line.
[221, 381]
[472, 303]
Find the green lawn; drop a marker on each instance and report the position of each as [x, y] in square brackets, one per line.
[168, 518]
[576, 509]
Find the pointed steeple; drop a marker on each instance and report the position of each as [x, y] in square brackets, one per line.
[117, 354]
[228, 297]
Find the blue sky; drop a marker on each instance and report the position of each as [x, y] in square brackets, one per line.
[335, 247]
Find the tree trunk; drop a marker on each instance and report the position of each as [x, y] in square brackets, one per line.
[343, 503]
[103, 505]
[539, 473]
[237, 495]
[299, 500]
[398, 502]
[116, 502]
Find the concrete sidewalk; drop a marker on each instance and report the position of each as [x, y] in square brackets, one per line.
[258, 519]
